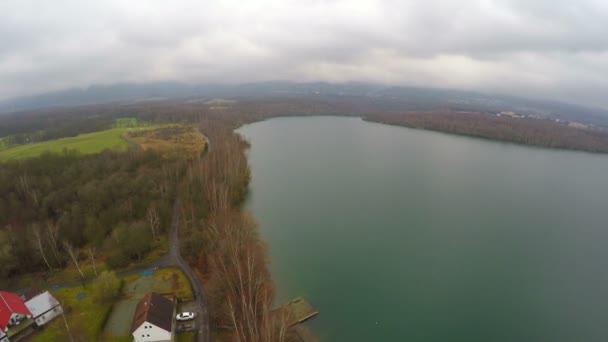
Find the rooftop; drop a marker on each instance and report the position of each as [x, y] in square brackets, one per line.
[154, 309]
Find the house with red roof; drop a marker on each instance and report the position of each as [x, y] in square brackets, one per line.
[12, 310]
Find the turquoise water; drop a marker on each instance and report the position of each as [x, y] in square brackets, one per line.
[396, 234]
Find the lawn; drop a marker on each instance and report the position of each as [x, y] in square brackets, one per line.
[187, 336]
[170, 280]
[85, 316]
[89, 143]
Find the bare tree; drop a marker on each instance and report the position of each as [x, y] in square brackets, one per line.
[53, 233]
[153, 219]
[68, 248]
[237, 258]
[27, 191]
[92, 256]
[36, 231]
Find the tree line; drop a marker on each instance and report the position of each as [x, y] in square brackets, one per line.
[222, 241]
[536, 132]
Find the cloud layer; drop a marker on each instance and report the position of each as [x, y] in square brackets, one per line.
[546, 48]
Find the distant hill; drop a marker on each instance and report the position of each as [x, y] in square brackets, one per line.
[411, 96]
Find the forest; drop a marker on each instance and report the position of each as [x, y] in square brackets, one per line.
[115, 203]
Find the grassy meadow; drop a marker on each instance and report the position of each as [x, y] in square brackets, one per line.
[89, 143]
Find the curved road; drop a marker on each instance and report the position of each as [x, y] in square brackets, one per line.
[175, 258]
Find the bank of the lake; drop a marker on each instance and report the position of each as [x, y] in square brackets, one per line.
[396, 234]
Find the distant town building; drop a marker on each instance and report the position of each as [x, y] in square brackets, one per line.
[577, 125]
[510, 114]
[153, 319]
[12, 310]
[44, 308]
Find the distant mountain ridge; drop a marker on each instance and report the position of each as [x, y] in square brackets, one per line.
[424, 97]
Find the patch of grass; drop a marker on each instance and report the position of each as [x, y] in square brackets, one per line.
[169, 139]
[218, 101]
[186, 336]
[180, 285]
[24, 325]
[84, 143]
[85, 317]
[169, 280]
[118, 339]
[131, 278]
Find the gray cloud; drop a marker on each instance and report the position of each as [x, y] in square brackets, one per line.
[547, 48]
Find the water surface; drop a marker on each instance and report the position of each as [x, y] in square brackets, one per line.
[396, 234]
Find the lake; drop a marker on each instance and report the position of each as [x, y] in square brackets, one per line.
[396, 234]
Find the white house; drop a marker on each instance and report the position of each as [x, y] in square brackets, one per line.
[3, 337]
[153, 319]
[44, 308]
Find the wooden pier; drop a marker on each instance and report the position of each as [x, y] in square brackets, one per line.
[296, 311]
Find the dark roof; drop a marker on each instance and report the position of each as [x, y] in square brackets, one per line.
[30, 293]
[155, 309]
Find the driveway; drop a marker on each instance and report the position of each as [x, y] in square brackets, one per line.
[202, 319]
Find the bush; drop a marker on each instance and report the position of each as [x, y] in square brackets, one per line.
[106, 287]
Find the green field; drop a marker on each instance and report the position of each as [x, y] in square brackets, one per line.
[89, 143]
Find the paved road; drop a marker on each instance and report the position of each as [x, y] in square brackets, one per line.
[202, 320]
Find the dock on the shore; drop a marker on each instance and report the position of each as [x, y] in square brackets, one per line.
[296, 311]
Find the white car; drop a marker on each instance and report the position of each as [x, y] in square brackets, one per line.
[185, 316]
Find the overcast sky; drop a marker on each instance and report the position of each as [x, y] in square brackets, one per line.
[537, 48]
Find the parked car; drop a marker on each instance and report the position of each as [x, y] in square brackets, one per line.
[185, 316]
